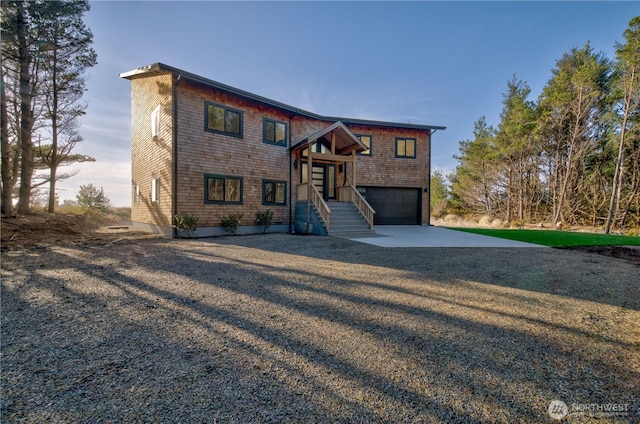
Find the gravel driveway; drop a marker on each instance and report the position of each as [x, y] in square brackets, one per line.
[281, 328]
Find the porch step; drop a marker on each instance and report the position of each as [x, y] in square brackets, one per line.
[347, 221]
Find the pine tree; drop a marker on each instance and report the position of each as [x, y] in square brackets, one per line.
[92, 198]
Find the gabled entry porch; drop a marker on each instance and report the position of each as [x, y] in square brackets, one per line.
[320, 158]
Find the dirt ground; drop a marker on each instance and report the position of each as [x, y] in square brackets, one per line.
[43, 229]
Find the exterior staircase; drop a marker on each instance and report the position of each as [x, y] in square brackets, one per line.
[347, 221]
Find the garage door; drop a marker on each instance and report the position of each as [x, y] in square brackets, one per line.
[394, 205]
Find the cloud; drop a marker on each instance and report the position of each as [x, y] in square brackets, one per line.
[113, 176]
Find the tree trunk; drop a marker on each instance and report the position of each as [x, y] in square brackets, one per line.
[26, 114]
[7, 181]
[53, 166]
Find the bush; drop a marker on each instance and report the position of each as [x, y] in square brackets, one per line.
[186, 223]
[264, 218]
[231, 223]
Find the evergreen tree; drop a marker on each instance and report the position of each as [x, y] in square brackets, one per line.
[626, 90]
[92, 198]
[571, 104]
[518, 150]
[476, 176]
[68, 56]
[45, 49]
[439, 194]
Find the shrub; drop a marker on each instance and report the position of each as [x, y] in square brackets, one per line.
[231, 222]
[186, 223]
[264, 218]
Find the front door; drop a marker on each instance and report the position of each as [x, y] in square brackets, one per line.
[323, 177]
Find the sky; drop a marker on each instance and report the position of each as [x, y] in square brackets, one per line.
[423, 62]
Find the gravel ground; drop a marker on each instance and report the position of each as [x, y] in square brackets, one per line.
[281, 328]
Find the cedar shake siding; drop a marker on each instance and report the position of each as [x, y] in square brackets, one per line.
[203, 148]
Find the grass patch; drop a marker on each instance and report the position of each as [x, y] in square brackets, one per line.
[557, 238]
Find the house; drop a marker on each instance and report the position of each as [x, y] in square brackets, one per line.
[204, 148]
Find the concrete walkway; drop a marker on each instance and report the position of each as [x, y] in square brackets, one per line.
[426, 236]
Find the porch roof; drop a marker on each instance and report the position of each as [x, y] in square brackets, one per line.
[345, 140]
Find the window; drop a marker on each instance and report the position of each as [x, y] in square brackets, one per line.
[136, 193]
[155, 189]
[222, 189]
[366, 140]
[274, 192]
[317, 147]
[155, 123]
[275, 132]
[222, 120]
[405, 147]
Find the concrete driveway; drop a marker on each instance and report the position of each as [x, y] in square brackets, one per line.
[426, 236]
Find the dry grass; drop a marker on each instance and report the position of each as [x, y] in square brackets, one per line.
[280, 328]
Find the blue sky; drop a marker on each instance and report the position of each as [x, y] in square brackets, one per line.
[437, 63]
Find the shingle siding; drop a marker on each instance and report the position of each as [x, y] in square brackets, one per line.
[151, 157]
[200, 152]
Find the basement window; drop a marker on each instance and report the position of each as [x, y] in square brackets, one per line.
[222, 189]
[274, 193]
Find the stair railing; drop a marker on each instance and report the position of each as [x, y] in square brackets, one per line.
[350, 194]
[306, 191]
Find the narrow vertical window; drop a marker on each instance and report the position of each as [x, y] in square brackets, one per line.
[155, 189]
[136, 194]
[155, 123]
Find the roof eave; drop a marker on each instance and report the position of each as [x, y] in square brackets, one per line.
[160, 68]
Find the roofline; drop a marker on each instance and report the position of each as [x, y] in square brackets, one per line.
[160, 68]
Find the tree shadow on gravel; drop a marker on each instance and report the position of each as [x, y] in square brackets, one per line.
[245, 333]
[565, 272]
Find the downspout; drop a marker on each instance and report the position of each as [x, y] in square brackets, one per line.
[291, 230]
[174, 146]
[428, 189]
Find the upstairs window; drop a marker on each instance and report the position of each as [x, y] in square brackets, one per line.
[274, 132]
[405, 147]
[155, 123]
[222, 189]
[317, 147]
[223, 120]
[366, 140]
